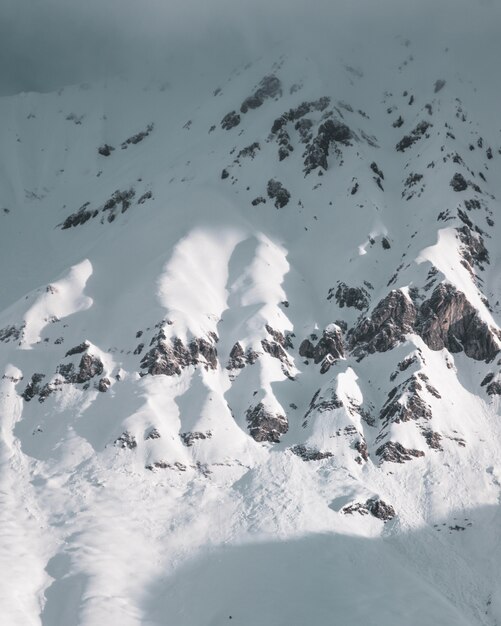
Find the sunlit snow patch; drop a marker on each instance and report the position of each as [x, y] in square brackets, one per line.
[60, 299]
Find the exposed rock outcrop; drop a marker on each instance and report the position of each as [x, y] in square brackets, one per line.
[230, 120]
[33, 388]
[171, 357]
[104, 385]
[355, 297]
[82, 347]
[473, 247]
[322, 404]
[269, 87]
[458, 182]
[391, 320]
[310, 454]
[448, 320]
[445, 320]
[404, 403]
[89, 367]
[378, 508]
[190, 437]
[105, 150]
[408, 140]
[126, 440]
[394, 452]
[329, 132]
[330, 344]
[138, 137]
[277, 192]
[264, 425]
[373, 506]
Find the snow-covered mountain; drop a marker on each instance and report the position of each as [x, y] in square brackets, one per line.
[250, 347]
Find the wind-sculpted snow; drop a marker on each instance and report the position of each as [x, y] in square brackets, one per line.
[249, 347]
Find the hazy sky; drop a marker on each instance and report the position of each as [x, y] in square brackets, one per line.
[48, 43]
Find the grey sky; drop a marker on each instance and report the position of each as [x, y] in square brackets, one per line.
[48, 43]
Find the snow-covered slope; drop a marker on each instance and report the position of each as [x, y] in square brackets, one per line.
[250, 348]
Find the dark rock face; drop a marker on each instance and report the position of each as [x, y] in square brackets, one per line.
[391, 320]
[237, 358]
[408, 140]
[119, 200]
[230, 120]
[104, 384]
[249, 151]
[153, 433]
[330, 132]
[404, 404]
[77, 349]
[11, 333]
[394, 452]
[330, 345]
[322, 404]
[356, 507]
[269, 87]
[275, 350]
[373, 506]
[377, 170]
[361, 448]
[411, 186]
[307, 349]
[378, 508]
[203, 351]
[146, 196]
[356, 297]
[33, 388]
[170, 358]
[89, 367]
[299, 112]
[137, 138]
[264, 425]
[139, 348]
[105, 150]
[433, 439]
[177, 466]
[190, 437]
[473, 249]
[487, 379]
[302, 126]
[448, 320]
[126, 440]
[494, 389]
[309, 454]
[84, 214]
[258, 200]
[439, 84]
[276, 191]
[458, 182]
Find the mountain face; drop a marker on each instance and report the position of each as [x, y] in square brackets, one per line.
[250, 348]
